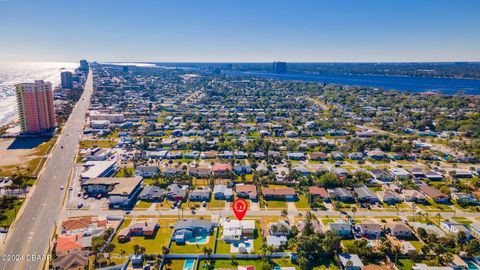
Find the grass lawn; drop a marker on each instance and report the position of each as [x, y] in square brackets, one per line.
[142, 205]
[124, 171]
[302, 202]
[284, 262]
[176, 265]
[326, 221]
[417, 244]
[233, 263]
[192, 248]
[463, 220]
[222, 247]
[276, 204]
[10, 213]
[152, 245]
[405, 264]
[215, 204]
[165, 204]
[98, 143]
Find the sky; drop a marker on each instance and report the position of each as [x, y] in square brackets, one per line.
[240, 30]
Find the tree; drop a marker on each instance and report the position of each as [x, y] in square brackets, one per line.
[354, 210]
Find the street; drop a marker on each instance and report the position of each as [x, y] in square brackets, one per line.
[32, 232]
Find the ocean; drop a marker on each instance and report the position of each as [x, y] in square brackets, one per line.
[12, 73]
[409, 84]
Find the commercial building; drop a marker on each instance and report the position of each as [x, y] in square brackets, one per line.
[67, 80]
[83, 65]
[35, 106]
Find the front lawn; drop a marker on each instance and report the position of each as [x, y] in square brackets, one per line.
[302, 202]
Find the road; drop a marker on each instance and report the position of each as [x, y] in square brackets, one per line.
[33, 230]
[256, 213]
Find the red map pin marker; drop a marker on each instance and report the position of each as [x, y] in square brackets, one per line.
[240, 207]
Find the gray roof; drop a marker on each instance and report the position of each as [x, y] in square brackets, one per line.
[364, 192]
[193, 223]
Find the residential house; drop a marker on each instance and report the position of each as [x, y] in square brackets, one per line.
[317, 156]
[67, 244]
[175, 192]
[200, 194]
[189, 229]
[278, 193]
[151, 193]
[475, 229]
[399, 173]
[398, 230]
[222, 170]
[242, 169]
[370, 230]
[364, 194]
[340, 229]
[236, 230]
[246, 191]
[276, 242]
[454, 228]
[341, 194]
[433, 193]
[84, 226]
[200, 172]
[146, 171]
[318, 192]
[411, 195]
[350, 261]
[389, 197]
[72, 261]
[381, 175]
[222, 192]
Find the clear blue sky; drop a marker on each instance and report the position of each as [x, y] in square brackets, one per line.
[240, 30]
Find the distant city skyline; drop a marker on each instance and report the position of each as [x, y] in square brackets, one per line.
[241, 31]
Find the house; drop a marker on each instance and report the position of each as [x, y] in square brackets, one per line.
[430, 228]
[246, 191]
[200, 172]
[222, 192]
[433, 193]
[122, 191]
[337, 155]
[191, 155]
[84, 226]
[236, 230]
[208, 155]
[341, 229]
[411, 195]
[222, 170]
[389, 197]
[242, 169]
[151, 193]
[145, 228]
[454, 228]
[296, 156]
[317, 156]
[146, 171]
[418, 172]
[67, 244]
[174, 155]
[350, 261]
[433, 176]
[364, 194]
[276, 242]
[464, 198]
[318, 192]
[279, 228]
[341, 194]
[72, 261]
[355, 156]
[189, 229]
[399, 173]
[200, 194]
[341, 173]
[240, 154]
[376, 154]
[370, 230]
[398, 230]
[381, 175]
[475, 229]
[259, 155]
[277, 193]
[175, 192]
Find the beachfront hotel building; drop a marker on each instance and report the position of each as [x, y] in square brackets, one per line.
[35, 106]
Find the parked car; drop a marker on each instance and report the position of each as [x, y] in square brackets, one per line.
[80, 205]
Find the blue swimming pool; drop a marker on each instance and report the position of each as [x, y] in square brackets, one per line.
[471, 265]
[189, 264]
[244, 244]
[198, 240]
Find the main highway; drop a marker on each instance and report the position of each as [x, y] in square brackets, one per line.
[31, 233]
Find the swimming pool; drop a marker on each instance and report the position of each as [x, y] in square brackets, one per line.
[244, 244]
[471, 265]
[198, 240]
[189, 264]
